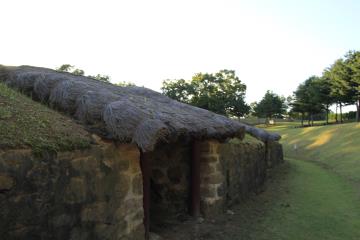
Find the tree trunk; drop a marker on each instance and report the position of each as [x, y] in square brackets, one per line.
[302, 119]
[327, 114]
[341, 116]
[336, 114]
[312, 119]
[358, 111]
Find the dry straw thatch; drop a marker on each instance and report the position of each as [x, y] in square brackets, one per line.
[126, 114]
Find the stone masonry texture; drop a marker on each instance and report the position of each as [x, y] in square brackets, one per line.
[244, 168]
[170, 180]
[80, 195]
[97, 193]
[211, 179]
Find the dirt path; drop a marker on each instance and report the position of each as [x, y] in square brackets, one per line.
[301, 201]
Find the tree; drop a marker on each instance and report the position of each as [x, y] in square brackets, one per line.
[271, 105]
[344, 76]
[180, 90]
[300, 101]
[353, 84]
[339, 84]
[221, 92]
[339, 75]
[314, 90]
[308, 98]
[65, 68]
[78, 72]
[324, 94]
[70, 69]
[103, 78]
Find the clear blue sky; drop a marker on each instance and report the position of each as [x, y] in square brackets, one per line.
[272, 45]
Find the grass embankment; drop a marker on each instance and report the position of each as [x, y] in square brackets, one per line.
[336, 147]
[312, 198]
[25, 123]
[305, 202]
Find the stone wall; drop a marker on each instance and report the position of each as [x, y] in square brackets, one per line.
[231, 171]
[88, 194]
[274, 154]
[97, 193]
[244, 168]
[211, 179]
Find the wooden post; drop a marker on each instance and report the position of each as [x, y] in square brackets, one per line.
[146, 174]
[195, 179]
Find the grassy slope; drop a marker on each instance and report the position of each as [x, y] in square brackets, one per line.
[304, 200]
[336, 146]
[25, 123]
[307, 201]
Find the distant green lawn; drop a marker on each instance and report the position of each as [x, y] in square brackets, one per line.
[336, 147]
[308, 203]
[311, 197]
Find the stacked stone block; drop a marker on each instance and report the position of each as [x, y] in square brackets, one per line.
[274, 153]
[244, 167]
[211, 179]
[88, 194]
[98, 193]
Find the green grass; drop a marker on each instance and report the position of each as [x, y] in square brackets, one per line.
[25, 123]
[310, 197]
[336, 147]
[304, 202]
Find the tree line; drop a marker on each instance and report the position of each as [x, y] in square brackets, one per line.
[223, 93]
[339, 85]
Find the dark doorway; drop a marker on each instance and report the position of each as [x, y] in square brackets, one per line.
[170, 185]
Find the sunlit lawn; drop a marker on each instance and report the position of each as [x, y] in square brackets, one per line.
[335, 146]
[311, 197]
[306, 203]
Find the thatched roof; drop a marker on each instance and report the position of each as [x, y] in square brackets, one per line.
[127, 114]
